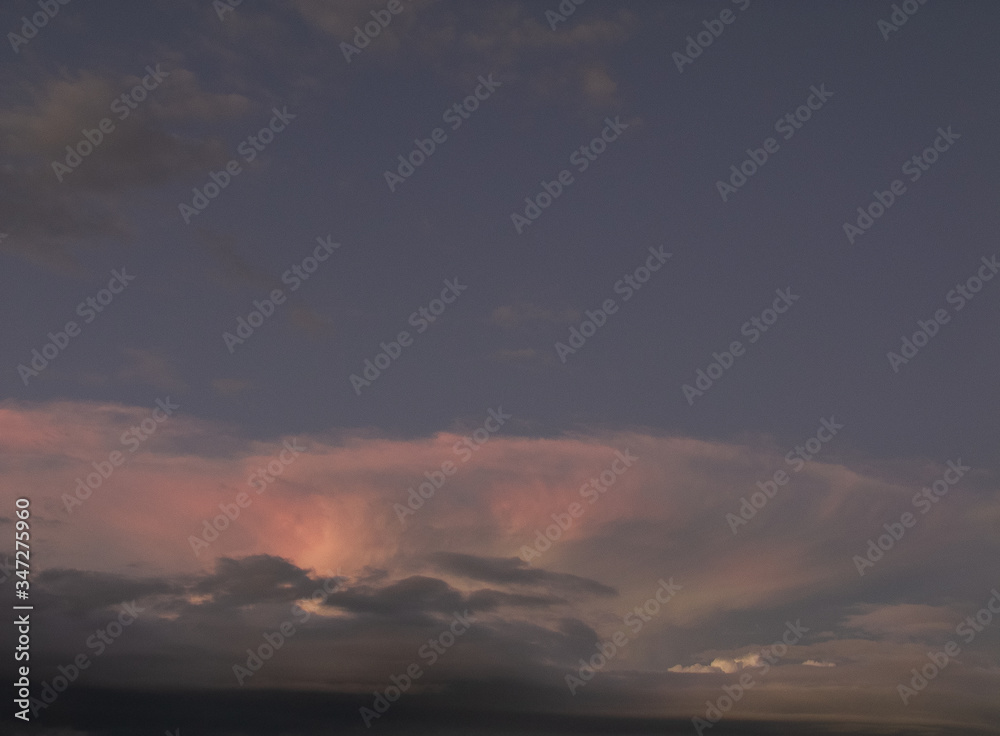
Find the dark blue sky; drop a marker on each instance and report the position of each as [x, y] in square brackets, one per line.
[653, 186]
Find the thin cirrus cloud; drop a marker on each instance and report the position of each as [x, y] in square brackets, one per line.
[44, 216]
[507, 38]
[152, 368]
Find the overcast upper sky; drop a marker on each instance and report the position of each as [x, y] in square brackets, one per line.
[693, 300]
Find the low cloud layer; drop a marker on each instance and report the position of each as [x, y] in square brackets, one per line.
[328, 515]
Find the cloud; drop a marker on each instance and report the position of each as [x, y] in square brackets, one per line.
[139, 151]
[510, 39]
[340, 20]
[184, 99]
[46, 222]
[727, 665]
[598, 86]
[901, 622]
[735, 664]
[152, 368]
[46, 215]
[216, 613]
[700, 669]
[814, 663]
[332, 508]
[253, 580]
[78, 591]
[514, 571]
[310, 322]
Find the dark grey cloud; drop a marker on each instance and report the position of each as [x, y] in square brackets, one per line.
[271, 584]
[79, 591]
[515, 571]
[254, 580]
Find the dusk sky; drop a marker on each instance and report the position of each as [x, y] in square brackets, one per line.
[500, 367]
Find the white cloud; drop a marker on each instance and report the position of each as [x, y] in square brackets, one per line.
[727, 665]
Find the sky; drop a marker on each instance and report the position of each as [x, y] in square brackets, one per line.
[501, 367]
